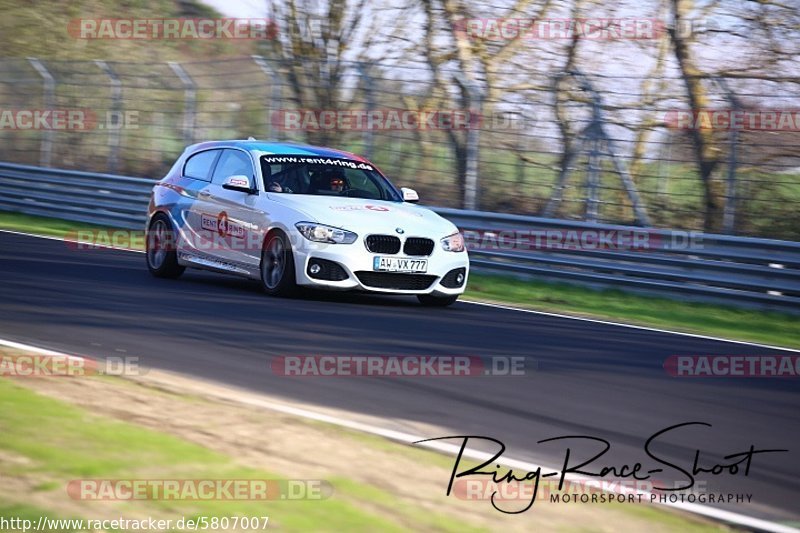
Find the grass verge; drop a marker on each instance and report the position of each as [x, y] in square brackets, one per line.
[55, 442]
[104, 428]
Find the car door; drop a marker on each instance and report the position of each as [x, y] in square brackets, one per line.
[194, 236]
[236, 216]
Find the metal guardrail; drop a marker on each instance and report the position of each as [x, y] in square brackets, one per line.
[104, 199]
[739, 269]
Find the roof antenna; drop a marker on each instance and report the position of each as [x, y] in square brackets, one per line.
[251, 138]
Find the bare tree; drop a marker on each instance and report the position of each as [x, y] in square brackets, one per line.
[320, 43]
[464, 62]
[764, 28]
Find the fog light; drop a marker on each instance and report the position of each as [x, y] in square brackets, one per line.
[314, 269]
[455, 278]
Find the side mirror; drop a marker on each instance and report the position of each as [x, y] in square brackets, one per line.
[238, 183]
[409, 195]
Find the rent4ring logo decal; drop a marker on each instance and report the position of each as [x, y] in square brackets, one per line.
[287, 159]
[222, 225]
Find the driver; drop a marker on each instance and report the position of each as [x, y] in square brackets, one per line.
[337, 184]
[329, 179]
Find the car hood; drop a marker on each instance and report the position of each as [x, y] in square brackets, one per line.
[369, 216]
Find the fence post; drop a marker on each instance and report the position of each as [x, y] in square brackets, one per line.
[729, 211]
[368, 135]
[49, 87]
[274, 95]
[190, 101]
[475, 108]
[114, 133]
[595, 133]
[593, 181]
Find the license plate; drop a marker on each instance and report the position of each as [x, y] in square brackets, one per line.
[399, 264]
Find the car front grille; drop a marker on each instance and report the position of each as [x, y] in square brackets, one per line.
[418, 246]
[383, 244]
[396, 281]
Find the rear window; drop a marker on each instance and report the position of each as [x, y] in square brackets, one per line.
[199, 165]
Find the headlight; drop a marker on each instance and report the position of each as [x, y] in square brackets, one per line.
[453, 243]
[321, 233]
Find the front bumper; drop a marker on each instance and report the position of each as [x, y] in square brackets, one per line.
[357, 263]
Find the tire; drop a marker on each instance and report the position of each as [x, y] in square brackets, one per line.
[161, 251]
[436, 301]
[277, 265]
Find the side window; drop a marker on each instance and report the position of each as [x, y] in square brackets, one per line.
[232, 163]
[199, 165]
[358, 179]
[271, 169]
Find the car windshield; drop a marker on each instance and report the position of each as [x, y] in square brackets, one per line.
[323, 176]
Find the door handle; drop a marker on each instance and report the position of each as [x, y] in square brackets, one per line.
[204, 194]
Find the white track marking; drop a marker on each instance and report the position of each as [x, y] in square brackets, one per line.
[453, 450]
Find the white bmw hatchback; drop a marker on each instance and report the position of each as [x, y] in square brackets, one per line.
[293, 215]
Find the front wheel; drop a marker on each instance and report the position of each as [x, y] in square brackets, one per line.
[436, 301]
[277, 266]
[161, 252]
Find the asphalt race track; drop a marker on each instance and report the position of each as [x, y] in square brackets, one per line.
[584, 378]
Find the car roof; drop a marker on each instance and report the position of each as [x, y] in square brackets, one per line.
[274, 147]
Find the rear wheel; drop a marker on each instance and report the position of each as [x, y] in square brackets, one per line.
[161, 252]
[436, 301]
[277, 266]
